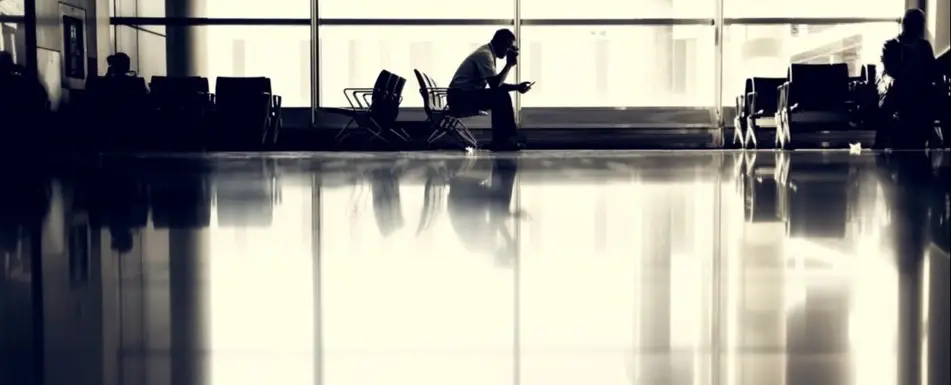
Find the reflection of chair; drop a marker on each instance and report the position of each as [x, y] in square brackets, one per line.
[387, 207]
[816, 201]
[246, 198]
[440, 117]
[759, 104]
[813, 94]
[181, 202]
[761, 193]
[375, 109]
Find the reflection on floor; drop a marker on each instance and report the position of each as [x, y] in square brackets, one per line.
[544, 268]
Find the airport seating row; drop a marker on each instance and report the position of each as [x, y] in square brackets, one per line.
[812, 97]
[375, 111]
[815, 98]
[180, 113]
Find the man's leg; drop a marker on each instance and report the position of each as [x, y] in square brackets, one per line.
[498, 102]
[503, 115]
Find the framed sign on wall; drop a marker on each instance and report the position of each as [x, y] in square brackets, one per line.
[74, 48]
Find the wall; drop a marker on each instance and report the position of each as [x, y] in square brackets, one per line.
[49, 43]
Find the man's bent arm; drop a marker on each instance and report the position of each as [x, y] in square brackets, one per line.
[498, 81]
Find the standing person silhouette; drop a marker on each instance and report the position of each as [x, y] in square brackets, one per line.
[906, 87]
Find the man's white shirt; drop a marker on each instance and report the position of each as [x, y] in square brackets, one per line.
[474, 71]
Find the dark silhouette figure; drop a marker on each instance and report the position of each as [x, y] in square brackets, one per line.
[24, 104]
[478, 86]
[906, 87]
[119, 65]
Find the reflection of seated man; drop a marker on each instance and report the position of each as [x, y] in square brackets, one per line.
[906, 85]
[478, 210]
[477, 86]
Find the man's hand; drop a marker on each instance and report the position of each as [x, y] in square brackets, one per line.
[511, 57]
[523, 87]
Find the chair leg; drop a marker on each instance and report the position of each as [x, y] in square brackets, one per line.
[343, 133]
[751, 129]
[464, 132]
[739, 133]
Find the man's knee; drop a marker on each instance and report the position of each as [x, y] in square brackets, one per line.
[500, 95]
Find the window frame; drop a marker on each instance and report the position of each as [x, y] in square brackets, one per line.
[540, 117]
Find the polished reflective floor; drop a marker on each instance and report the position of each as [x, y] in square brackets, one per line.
[542, 268]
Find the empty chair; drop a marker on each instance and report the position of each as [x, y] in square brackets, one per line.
[760, 103]
[374, 110]
[440, 116]
[181, 201]
[813, 94]
[182, 105]
[247, 112]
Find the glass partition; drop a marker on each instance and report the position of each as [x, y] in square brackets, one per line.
[619, 62]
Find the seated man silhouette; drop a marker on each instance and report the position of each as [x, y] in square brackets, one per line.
[119, 65]
[906, 87]
[477, 86]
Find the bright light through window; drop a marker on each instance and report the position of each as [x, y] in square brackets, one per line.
[261, 294]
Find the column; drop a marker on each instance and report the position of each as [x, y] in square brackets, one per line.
[183, 44]
[187, 254]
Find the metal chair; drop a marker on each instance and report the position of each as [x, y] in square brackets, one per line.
[375, 109]
[440, 117]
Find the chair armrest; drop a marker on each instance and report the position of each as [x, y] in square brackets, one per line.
[354, 98]
[740, 104]
[277, 101]
[751, 103]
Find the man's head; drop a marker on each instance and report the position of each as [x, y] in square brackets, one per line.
[502, 41]
[913, 23]
[119, 63]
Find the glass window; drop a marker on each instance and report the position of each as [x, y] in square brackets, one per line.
[613, 9]
[151, 54]
[151, 8]
[13, 40]
[11, 7]
[767, 50]
[352, 56]
[280, 53]
[630, 66]
[415, 9]
[813, 8]
[273, 9]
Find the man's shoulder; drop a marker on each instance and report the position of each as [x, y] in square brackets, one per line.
[482, 53]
